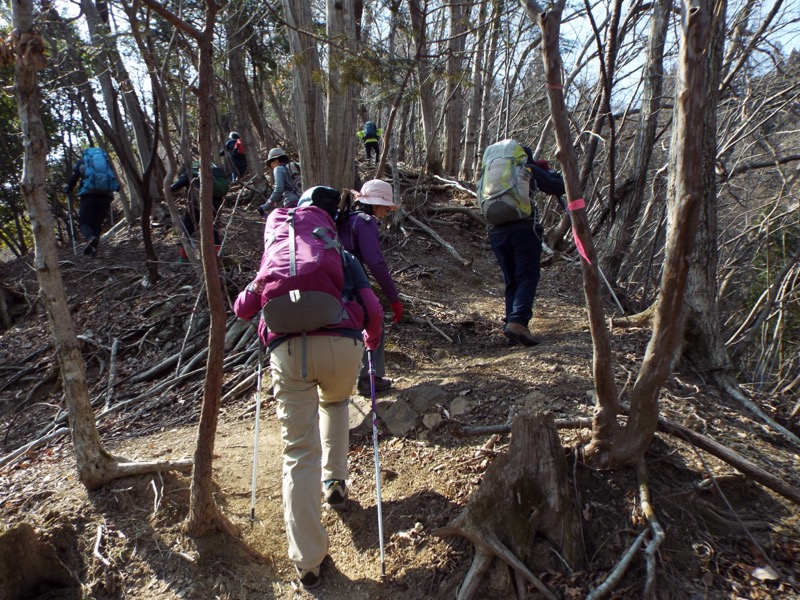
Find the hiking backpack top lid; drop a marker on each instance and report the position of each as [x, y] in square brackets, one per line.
[504, 184]
[370, 130]
[301, 274]
[96, 173]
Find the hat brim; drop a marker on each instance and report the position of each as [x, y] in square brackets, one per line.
[377, 201]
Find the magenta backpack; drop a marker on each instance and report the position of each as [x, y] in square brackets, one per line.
[301, 274]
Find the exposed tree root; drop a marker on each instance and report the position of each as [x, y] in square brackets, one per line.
[519, 499]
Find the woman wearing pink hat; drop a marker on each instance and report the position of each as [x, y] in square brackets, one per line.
[358, 233]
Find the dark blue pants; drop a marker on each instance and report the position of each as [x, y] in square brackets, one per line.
[518, 253]
[372, 148]
[191, 218]
[91, 214]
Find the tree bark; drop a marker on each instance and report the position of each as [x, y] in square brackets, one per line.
[605, 423]
[341, 107]
[427, 100]
[308, 97]
[685, 198]
[630, 204]
[469, 158]
[204, 516]
[454, 107]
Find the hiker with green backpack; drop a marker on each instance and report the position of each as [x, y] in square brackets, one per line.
[191, 218]
[98, 184]
[505, 196]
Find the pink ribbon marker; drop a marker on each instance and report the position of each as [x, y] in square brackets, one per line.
[578, 204]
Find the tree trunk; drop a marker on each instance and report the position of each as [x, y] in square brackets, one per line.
[521, 500]
[341, 108]
[92, 460]
[620, 233]
[605, 424]
[704, 344]
[490, 58]
[454, 107]
[308, 98]
[470, 134]
[427, 99]
[204, 516]
[686, 197]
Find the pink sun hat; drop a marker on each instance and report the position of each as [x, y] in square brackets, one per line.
[376, 192]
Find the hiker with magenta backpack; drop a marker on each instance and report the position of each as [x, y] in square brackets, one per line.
[98, 184]
[286, 190]
[237, 158]
[371, 136]
[358, 232]
[318, 311]
[191, 217]
[505, 192]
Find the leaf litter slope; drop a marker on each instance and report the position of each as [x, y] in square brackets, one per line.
[450, 364]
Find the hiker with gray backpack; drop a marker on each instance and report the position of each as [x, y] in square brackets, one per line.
[318, 311]
[98, 184]
[505, 197]
[286, 182]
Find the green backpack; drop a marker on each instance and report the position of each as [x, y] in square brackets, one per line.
[504, 184]
[221, 183]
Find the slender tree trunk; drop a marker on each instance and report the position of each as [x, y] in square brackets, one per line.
[470, 135]
[92, 460]
[630, 205]
[454, 109]
[488, 82]
[427, 99]
[204, 516]
[605, 425]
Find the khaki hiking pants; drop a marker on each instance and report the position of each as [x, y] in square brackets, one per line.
[314, 416]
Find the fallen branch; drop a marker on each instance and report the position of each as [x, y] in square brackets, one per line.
[97, 543]
[461, 210]
[34, 444]
[456, 184]
[616, 575]
[737, 395]
[732, 458]
[446, 245]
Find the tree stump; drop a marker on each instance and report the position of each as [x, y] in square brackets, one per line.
[525, 496]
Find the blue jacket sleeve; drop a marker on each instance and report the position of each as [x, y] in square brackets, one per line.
[279, 175]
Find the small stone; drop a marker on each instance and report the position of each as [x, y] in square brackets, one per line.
[431, 420]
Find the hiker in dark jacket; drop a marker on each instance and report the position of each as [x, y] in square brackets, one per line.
[517, 245]
[284, 192]
[94, 204]
[237, 158]
[358, 232]
[312, 377]
[191, 217]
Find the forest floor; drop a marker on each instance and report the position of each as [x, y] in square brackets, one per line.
[726, 537]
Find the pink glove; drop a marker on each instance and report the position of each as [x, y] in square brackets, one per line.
[397, 307]
[371, 341]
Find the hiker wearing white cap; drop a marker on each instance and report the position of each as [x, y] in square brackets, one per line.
[358, 233]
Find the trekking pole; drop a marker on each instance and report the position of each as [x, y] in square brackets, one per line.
[377, 460]
[255, 437]
[71, 224]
